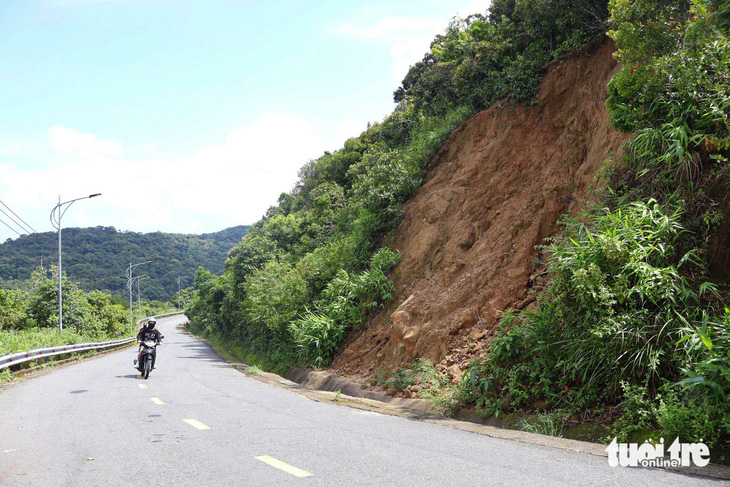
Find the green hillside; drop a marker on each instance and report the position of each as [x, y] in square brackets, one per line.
[314, 268]
[97, 258]
[633, 327]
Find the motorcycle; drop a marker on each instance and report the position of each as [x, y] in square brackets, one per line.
[148, 357]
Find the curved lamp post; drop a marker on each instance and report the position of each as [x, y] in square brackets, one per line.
[56, 215]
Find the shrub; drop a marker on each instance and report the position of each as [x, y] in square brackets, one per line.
[317, 338]
[344, 305]
[550, 424]
[399, 380]
[12, 310]
[670, 414]
[616, 306]
[709, 374]
[275, 296]
[348, 298]
[674, 93]
[690, 420]
[435, 387]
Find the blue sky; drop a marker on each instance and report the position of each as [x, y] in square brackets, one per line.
[190, 116]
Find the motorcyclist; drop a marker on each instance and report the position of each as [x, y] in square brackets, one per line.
[147, 332]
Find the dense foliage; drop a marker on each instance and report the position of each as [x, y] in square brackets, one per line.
[94, 313]
[486, 58]
[315, 267]
[629, 318]
[29, 318]
[97, 258]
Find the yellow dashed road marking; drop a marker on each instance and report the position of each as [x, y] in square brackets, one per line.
[142, 386]
[156, 400]
[297, 472]
[196, 424]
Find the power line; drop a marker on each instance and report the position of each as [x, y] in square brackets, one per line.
[14, 222]
[24, 222]
[11, 228]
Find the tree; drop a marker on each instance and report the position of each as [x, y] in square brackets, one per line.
[12, 310]
[106, 318]
[42, 304]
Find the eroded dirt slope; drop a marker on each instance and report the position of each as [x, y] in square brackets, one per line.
[494, 192]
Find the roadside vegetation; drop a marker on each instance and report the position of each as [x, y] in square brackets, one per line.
[632, 327]
[34, 310]
[29, 317]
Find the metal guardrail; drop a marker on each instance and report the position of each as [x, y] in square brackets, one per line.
[175, 313]
[41, 353]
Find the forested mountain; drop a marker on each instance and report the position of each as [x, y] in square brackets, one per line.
[97, 258]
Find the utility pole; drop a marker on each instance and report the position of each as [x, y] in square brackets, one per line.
[139, 301]
[130, 271]
[178, 292]
[56, 215]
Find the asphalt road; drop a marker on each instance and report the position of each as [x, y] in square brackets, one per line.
[197, 421]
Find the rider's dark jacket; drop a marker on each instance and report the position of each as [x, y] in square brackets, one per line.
[147, 334]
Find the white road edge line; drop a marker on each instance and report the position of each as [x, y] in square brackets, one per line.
[271, 461]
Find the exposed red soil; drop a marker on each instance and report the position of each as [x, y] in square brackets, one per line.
[494, 192]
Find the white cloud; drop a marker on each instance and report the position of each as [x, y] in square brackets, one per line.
[12, 149]
[87, 145]
[474, 7]
[242, 177]
[217, 186]
[231, 183]
[391, 28]
[409, 37]
[347, 129]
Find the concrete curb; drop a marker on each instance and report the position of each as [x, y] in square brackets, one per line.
[422, 411]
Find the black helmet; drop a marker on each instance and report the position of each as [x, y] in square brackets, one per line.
[151, 323]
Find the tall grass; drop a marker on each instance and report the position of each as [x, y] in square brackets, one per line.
[618, 303]
[22, 340]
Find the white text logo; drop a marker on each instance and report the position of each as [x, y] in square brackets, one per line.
[652, 455]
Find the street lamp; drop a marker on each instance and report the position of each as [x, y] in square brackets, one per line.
[130, 270]
[178, 292]
[56, 215]
[139, 301]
